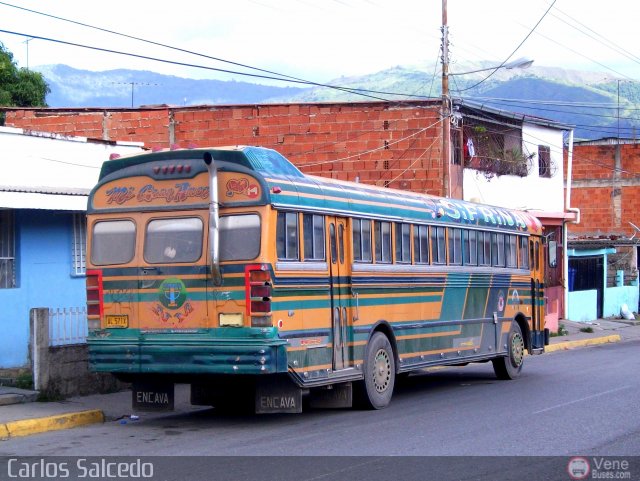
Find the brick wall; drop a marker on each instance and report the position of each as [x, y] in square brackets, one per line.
[607, 193]
[383, 143]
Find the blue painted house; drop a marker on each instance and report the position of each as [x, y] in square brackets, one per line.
[43, 195]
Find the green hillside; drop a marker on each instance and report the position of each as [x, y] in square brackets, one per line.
[593, 106]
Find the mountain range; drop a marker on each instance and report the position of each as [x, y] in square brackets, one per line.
[595, 106]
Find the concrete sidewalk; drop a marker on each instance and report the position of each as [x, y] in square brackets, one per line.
[23, 418]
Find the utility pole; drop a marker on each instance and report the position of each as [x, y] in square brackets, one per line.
[27, 43]
[133, 84]
[446, 103]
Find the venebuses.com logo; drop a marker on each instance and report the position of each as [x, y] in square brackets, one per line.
[598, 468]
[578, 468]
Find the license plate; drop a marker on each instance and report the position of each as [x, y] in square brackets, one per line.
[117, 321]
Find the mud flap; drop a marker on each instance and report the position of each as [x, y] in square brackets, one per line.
[332, 397]
[277, 394]
[152, 396]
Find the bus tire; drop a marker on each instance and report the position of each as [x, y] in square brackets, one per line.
[379, 374]
[510, 366]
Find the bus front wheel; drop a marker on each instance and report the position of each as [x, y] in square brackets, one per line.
[510, 366]
[379, 373]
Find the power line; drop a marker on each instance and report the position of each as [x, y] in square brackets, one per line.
[512, 53]
[185, 64]
[613, 46]
[293, 79]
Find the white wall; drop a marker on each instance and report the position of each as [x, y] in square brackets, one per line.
[531, 192]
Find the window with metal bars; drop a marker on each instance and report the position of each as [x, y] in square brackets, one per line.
[7, 250]
[79, 245]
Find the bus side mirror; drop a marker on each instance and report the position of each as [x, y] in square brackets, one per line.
[553, 253]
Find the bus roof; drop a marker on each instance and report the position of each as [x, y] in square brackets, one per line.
[288, 188]
[355, 199]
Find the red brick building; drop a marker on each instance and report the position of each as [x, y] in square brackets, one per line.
[398, 144]
[605, 186]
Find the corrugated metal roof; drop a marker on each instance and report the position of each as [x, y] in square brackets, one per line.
[34, 200]
[41, 170]
[46, 190]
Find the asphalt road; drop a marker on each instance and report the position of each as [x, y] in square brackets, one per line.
[579, 402]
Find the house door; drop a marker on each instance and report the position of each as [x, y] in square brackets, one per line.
[587, 273]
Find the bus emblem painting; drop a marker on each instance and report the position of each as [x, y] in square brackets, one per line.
[242, 187]
[500, 301]
[173, 293]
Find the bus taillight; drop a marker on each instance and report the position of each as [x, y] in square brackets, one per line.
[258, 295]
[94, 299]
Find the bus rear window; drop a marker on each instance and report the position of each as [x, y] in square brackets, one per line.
[113, 242]
[173, 240]
[239, 237]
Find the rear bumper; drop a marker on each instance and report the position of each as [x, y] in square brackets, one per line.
[219, 356]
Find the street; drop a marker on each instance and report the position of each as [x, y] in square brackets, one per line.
[581, 401]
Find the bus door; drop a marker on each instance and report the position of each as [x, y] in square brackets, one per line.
[339, 272]
[537, 295]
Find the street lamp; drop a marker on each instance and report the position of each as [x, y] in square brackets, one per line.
[522, 63]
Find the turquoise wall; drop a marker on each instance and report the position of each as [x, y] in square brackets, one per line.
[614, 297]
[43, 259]
[583, 306]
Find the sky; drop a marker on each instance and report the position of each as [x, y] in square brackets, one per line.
[323, 40]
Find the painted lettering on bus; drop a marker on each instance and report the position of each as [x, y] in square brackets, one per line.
[120, 195]
[182, 192]
[488, 215]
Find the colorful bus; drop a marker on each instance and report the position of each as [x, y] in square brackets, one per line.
[230, 270]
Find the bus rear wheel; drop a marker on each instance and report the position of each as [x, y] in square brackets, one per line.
[379, 374]
[510, 366]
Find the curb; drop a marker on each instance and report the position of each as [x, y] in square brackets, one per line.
[594, 341]
[27, 427]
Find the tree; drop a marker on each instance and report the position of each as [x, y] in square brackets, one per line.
[20, 87]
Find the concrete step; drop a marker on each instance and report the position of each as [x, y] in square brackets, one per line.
[14, 395]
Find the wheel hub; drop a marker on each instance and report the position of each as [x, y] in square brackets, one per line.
[382, 371]
[517, 350]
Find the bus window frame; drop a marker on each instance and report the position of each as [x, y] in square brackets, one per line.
[115, 219]
[285, 239]
[438, 244]
[145, 238]
[401, 250]
[313, 239]
[383, 240]
[259, 243]
[418, 244]
[360, 250]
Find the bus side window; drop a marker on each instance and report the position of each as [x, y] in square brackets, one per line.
[361, 240]
[497, 250]
[332, 241]
[313, 233]
[382, 235]
[470, 244]
[511, 250]
[341, 243]
[438, 245]
[403, 243]
[455, 246]
[524, 253]
[287, 236]
[420, 244]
